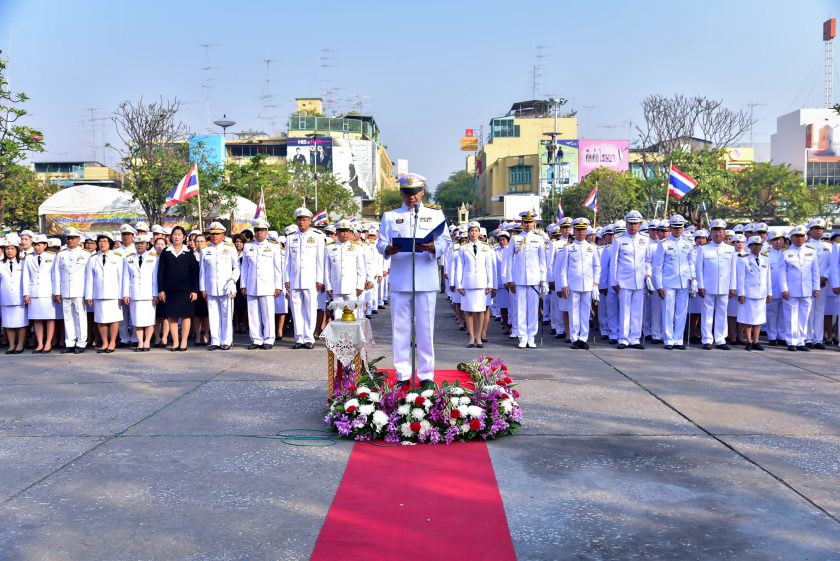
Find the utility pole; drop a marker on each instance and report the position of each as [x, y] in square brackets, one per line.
[752, 106]
[206, 79]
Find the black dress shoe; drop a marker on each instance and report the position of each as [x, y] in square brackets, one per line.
[37, 351]
[225, 347]
[781, 342]
[470, 345]
[680, 347]
[668, 347]
[803, 348]
[480, 345]
[297, 346]
[268, 347]
[583, 345]
[772, 342]
[809, 345]
[723, 347]
[613, 341]
[10, 352]
[253, 346]
[819, 346]
[791, 348]
[637, 346]
[748, 347]
[656, 341]
[757, 347]
[707, 346]
[79, 350]
[212, 347]
[575, 345]
[101, 351]
[621, 346]
[46, 352]
[427, 384]
[309, 346]
[559, 336]
[68, 350]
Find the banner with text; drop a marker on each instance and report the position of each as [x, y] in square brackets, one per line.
[594, 154]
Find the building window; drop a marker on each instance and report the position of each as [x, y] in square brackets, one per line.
[520, 175]
[821, 173]
[504, 128]
[249, 150]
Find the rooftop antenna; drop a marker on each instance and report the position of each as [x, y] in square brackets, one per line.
[206, 79]
[95, 122]
[752, 107]
[829, 32]
[325, 61]
[537, 72]
[268, 113]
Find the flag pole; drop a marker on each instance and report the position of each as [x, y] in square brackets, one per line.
[200, 221]
[667, 193]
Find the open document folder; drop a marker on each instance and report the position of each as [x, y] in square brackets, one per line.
[405, 243]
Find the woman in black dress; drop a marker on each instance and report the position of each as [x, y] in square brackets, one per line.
[178, 286]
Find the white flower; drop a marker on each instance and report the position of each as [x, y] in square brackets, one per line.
[418, 414]
[465, 427]
[456, 390]
[367, 409]
[410, 397]
[404, 409]
[427, 393]
[464, 410]
[475, 411]
[374, 397]
[454, 401]
[380, 419]
[362, 389]
[351, 403]
[425, 426]
[405, 429]
[465, 400]
[506, 405]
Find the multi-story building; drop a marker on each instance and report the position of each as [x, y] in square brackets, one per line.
[77, 172]
[509, 163]
[809, 140]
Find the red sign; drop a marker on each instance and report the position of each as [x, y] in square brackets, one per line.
[469, 133]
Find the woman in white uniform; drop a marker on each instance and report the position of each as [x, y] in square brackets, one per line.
[474, 279]
[139, 290]
[37, 293]
[502, 297]
[755, 290]
[103, 288]
[12, 308]
[734, 330]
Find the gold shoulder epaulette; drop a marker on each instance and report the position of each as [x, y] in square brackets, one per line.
[433, 206]
[329, 241]
[393, 207]
[229, 244]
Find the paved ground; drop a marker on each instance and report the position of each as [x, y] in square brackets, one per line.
[623, 455]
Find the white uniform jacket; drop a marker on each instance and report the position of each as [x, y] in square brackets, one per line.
[68, 272]
[755, 280]
[344, 268]
[524, 263]
[304, 260]
[476, 267]
[578, 267]
[262, 269]
[630, 261]
[37, 277]
[11, 283]
[103, 277]
[716, 268]
[801, 273]
[140, 281]
[218, 270]
[672, 263]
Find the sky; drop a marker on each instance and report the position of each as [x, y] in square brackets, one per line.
[425, 70]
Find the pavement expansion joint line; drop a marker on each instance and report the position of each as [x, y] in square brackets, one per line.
[722, 442]
[833, 379]
[107, 439]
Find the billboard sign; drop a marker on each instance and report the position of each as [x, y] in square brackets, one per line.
[514, 204]
[823, 142]
[469, 144]
[594, 154]
[565, 165]
[354, 164]
[304, 150]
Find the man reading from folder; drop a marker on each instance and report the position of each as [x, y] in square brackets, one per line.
[427, 225]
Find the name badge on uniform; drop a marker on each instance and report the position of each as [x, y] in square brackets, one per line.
[400, 220]
[310, 240]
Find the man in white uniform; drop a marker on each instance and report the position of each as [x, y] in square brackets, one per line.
[218, 273]
[68, 282]
[577, 271]
[630, 277]
[800, 285]
[525, 277]
[262, 282]
[344, 266]
[413, 219]
[716, 283]
[304, 276]
[673, 271]
[816, 321]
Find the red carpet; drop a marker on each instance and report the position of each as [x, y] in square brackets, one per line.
[406, 503]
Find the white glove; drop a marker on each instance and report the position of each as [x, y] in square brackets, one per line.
[543, 289]
[648, 285]
[230, 288]
[692, 288]
[596, 296]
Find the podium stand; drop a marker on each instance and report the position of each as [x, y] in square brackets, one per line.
[346, 341]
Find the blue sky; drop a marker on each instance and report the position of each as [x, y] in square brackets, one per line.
[425, 70]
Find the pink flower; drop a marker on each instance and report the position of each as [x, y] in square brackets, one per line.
[352, 387]
[515, 394]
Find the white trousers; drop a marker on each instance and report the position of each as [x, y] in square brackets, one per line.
[611, 303]
[527, 309]
[816, 323]
[776, 323]
[797, 310]
[220, 318]
[75, 322]
[304, 302]
[714, 326]
[401, 333]
[261, 319]
[557, 314]
[630, 315]
[674, 311]
[512, 314]
[580, 307]
[656, 316]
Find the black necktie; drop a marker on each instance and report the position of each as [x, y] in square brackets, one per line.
[475, 249]
[140, 262]
[756, 262]
[11, 268]
[103, 259]
[39, 260]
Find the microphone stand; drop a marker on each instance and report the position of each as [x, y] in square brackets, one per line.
[416, 210]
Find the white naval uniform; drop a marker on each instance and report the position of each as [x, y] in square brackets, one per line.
[261, 275]
[608, 310]
[218, 273]
[400, 222]
[653, 317]
[304, 268]
[578, 268]
[37, 284]
[502, 299]
[475, 273]
[776, 324]
[754, 283]
[139, 284]
[558, 305]
[525, 267]
[13, 312]
[103, 285]
[630, 264]
[673, 268]
[68, 281]
[344, 271]
[816, 323]
[716, 275]
[801, 276]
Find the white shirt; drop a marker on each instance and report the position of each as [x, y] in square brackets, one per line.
[262, 268]
[630, 261]
[103, 276]
[577, 267]
[672, 264]
[68, 272]
[524, 262]
[37, 277]
[344, 268]
[140, 281]
[716, 268]
[219, 269]
[801, 274]
[304, 260]
[476, 266]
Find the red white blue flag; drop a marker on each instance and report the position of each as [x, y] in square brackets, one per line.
[560, 214]
[186, 188]
[260, 214]
[591, 201]
[320, 218]
[680, 184]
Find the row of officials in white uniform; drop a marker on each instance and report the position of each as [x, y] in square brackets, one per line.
[781, 279]
[122, 285]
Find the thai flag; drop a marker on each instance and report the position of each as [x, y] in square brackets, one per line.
[320, 218]
[350, 218]
[592, 200]
[186, 188]
[560, 214]
[680, 184]
[260, 214]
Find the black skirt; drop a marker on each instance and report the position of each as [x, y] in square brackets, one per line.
[178, 304]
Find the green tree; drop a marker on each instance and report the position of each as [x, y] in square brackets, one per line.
[767, 193]
[387, 198]
[617, 194]
[16, 142]
[22, 197]
[458, 189]
[715, 185]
